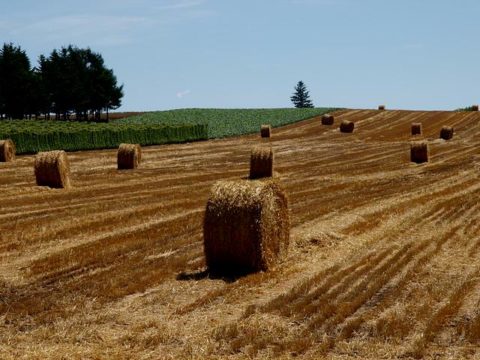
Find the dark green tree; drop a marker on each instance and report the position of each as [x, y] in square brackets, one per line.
[300, 97]
[15, 82]
[77, 81]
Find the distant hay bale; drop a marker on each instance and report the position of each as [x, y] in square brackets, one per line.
[265, 131]
[261, 162]
[246, 226]
[446, 133]
[347, 126]
[381, 107]
[52, 169]
[474, 107]
[419, 152]
[328, 119]
[128, 156]
[7, 150]
[416, 129]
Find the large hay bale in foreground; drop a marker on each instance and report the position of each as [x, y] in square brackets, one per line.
[347, 126]
[246, 226]
[265, 131]
[52, 169]
[419, 152]
[7, 150]
[128, 156]
[446, 133]
[261, 162]
[416, 129]
[381, 107]
[328, 119]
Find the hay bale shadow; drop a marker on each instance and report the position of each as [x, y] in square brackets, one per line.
[227, 275]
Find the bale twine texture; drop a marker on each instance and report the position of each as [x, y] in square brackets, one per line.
[347, 126]
[265, 131]
[446, 133]
[7, 150]
[129, 156]
[328, 119]
[419, 152]
[261, 162]
[246, 226]
[416, 129]
[52, 169]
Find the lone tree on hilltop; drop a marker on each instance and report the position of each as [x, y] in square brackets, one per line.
[300, 97]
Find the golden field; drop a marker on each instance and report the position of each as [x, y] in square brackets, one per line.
[384, 259]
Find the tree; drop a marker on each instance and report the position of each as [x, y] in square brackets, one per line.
[15, 81]
[300, 97]
[76, 80]
[70, 80]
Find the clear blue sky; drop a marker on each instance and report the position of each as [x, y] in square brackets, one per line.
[410, 54]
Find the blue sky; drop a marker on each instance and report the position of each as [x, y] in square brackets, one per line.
[408, 54]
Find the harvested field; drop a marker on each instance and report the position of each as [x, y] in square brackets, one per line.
[384, 257]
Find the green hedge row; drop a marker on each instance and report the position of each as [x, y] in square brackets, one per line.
[34, 140]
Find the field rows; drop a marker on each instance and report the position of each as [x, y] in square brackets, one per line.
[384, 261]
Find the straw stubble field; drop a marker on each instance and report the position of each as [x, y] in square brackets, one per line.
[383, 262]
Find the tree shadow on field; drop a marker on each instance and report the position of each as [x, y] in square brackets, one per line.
[227, 275]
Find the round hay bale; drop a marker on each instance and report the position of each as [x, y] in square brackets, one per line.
[474, 107]
[128, 156]
[419, 152]
[52, 169]
[446, 133]
[381, 107]
[347, 126]
[328, 119]
[261, 162]
[246, 226]
[265, 131]
[416, 129]
[7, 150]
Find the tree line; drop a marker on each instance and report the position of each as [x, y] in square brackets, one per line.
[70, 81]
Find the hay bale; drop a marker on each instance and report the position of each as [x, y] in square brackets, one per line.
[381, 107]
[446, 133]
[52, 169]
[328, 119]
[261, 162]
[7, 150]
[474, 107]
[347, 126]
[265, 131]
[246, 226]
[419, 152]
[128, 156]
[416, 129]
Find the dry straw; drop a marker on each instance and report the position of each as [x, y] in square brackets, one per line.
[7, 150]
[246, 226]
[129, 156]
[381, 107]
[52, 169]
[416, 129]
[328, 119]
[419, 152]
[265, 131]
[446, 133]
[261, 162]
[347, 126]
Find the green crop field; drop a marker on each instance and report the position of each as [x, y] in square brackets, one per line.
[152, 128]
[227, 122]
[31, 136]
